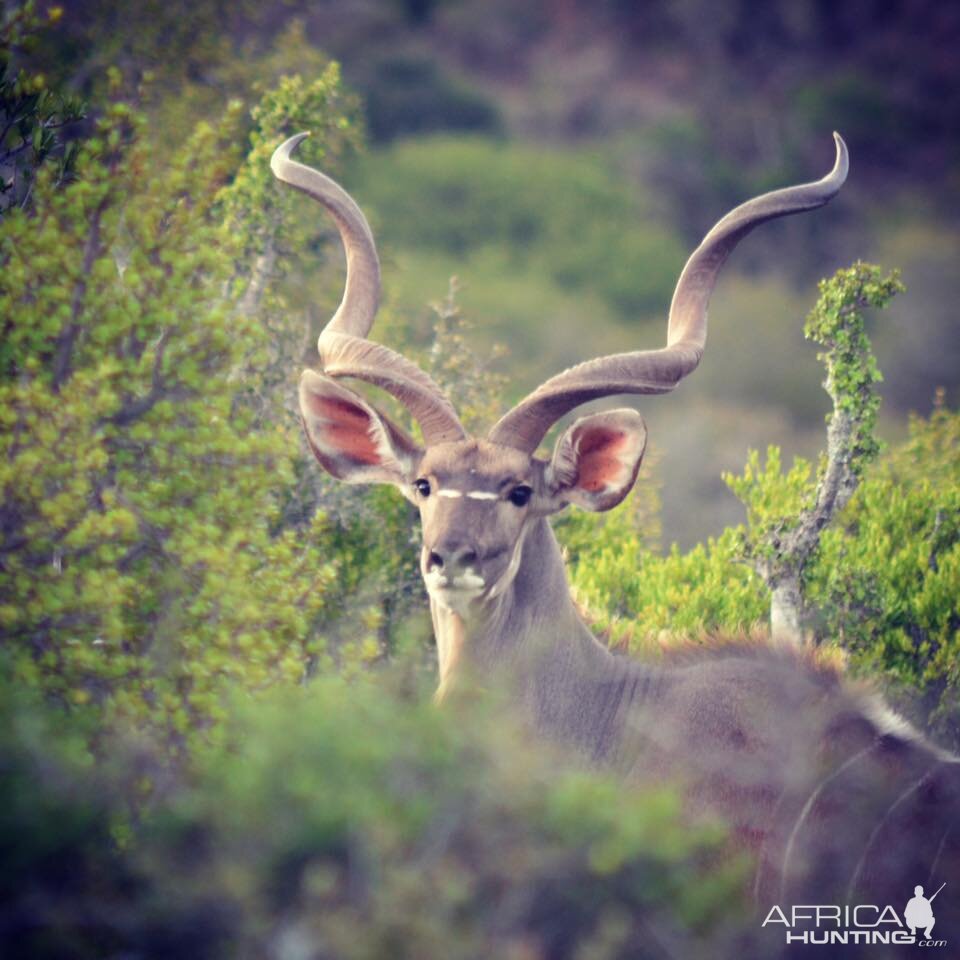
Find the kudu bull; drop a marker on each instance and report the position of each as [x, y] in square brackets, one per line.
[838, 800]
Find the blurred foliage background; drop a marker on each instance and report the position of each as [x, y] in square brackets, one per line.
[570, 154]
[215, 659]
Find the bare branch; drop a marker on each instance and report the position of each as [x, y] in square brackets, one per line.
[260, 275]
[780, 552]
[158, 389]
[69, 334]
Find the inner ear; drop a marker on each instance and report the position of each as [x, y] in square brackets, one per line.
[350, 438]
[596, 460]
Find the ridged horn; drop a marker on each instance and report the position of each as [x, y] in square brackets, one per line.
[343, 347]
[659, 371]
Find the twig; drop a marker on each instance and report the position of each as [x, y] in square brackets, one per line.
[67, 338]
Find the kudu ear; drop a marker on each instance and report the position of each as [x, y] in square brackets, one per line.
[350, 438]
[595, 462]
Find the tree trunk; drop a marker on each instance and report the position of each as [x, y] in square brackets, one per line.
[786, 606]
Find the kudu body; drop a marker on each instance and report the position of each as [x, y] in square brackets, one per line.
[792, 757]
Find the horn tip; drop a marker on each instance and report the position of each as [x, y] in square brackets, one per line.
[282, 154]
[841, 165]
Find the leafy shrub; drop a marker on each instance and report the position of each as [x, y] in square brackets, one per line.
[341, 821]
[32, 115]
[887, 580]
[145, 564]
[640, 597]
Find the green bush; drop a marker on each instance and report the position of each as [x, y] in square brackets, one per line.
[344, 821]
[32, 115]
[641, 598]
[886, 581]
[144, 460]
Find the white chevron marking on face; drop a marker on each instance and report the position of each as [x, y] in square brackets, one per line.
[472, 494]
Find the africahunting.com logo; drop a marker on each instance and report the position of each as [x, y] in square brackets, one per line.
[865, 923]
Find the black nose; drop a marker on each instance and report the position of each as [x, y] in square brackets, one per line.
[454, 559]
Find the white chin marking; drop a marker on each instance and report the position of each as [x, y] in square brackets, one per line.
[456, 600]
[468, 580]
[455, 595]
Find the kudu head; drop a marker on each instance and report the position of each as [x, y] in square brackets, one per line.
[478, 497]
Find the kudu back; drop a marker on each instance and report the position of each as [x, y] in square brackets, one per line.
[838, 801]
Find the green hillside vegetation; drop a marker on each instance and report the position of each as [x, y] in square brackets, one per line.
[545, 243]
[567, 215]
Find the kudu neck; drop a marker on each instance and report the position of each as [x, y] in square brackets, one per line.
[529, 638]
[536, 599]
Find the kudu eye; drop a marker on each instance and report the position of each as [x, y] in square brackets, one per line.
[422, 487]
[520, 496]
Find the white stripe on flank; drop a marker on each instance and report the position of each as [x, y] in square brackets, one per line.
[875, 832]
[805, 812]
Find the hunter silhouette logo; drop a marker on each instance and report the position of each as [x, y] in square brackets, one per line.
[919, 913]
[864, 923]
